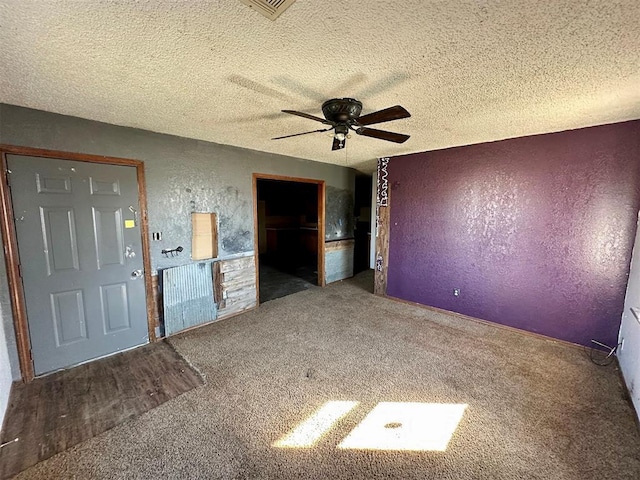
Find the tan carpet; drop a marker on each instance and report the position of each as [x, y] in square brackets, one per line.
[536, 408]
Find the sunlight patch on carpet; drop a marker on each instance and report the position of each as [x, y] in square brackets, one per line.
[306, 434]
[406, 426]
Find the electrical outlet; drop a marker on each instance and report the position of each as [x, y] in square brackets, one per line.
[456, 292]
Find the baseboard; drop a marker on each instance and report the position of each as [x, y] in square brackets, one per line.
[235, 314]
[627, 394]
[488, 323]
[218, 319]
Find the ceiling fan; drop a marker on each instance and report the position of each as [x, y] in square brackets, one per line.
[343, 114]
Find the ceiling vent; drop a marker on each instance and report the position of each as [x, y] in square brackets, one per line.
[269, 8]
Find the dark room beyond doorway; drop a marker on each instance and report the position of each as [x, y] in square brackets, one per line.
[287, 237]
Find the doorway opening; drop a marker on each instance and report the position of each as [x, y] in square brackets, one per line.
[362, 233]
[289, 235]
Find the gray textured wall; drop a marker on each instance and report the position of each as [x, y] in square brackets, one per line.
[5, 370]
[183, 175]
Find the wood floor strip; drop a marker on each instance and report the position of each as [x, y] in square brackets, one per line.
[58, 411]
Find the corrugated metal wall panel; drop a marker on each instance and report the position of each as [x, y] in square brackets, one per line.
[338, 265]
[187, 293]
[338, 260]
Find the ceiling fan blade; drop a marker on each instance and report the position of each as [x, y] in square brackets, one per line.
[306, 115]
[337, 144]
[386, 115]
[303, 133]
[383, 135]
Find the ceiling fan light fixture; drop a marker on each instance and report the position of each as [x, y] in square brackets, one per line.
[341, 132]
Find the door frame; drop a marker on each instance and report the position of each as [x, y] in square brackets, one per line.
[12, 259]
[321, 222]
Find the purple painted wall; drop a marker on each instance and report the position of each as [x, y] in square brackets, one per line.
[536, 232]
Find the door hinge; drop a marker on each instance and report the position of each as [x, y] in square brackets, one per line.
[20, 270]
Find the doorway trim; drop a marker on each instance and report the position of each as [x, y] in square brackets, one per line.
[321, 222]
[12, 260]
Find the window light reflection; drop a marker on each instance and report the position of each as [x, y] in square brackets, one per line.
[406, 426]
[307, 433]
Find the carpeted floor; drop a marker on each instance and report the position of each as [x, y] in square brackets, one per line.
[535, 408]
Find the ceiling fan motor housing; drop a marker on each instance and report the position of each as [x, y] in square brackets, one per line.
[341, 110]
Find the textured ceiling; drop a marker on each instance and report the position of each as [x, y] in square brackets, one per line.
[468, 71]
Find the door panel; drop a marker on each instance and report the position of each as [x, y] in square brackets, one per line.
[79, 242]
[53, 184]
[59, 237]
[105, 187]
[67, 312]
[107, 226]
[115, 314]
